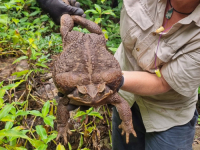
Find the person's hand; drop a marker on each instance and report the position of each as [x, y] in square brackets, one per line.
[56, 8]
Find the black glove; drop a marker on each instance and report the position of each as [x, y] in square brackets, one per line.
[121, 83]
[56, 8]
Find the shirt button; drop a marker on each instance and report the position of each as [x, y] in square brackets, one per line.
[154, 34]
[137, 49]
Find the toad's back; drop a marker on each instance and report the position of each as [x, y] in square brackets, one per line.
[86, 58]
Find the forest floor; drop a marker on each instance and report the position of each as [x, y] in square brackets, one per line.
[47, 91]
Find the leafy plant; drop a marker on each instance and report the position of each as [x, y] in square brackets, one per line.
[11, 113]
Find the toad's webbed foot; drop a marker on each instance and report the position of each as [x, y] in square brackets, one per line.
[127, 127]
[62, 133]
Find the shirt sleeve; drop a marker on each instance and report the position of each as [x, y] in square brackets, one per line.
[183, 73]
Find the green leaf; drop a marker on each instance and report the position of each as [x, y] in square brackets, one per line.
[60, 147]
[50, 138]
[16, 21]
[42, 147]
[97, 20]
[25, 13]
[80, 113]
[35, 113]
[51, 23]
[19, 59]
[13, 133]
[69, 145]
[4, 112]
[105, 33]
[21, 73]
[28, 74]
[20, 103]
[90, 110]
[109, 12]
[15, 39]
[80, 143]
[18, 128]
[90, 129]
[9, 125]
[45, 109]
[49, 121]
[20, 148]
[96, 114]
[8, 117]
[35, 13]
[91, 11]
[98, 8]
[113, 49]
[4, 19]
[41, 65]
[1, 148]
[36, 143]
[1, 83]
[13, 110]
[8, 5]
[41, 132]
[37, 21]
[2, 93]
[35, 47]
[22, 113]
[34, 54]
[24, 19]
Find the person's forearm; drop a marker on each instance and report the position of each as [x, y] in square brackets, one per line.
[144, 83]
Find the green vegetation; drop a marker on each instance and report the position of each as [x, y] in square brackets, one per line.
[27, 33]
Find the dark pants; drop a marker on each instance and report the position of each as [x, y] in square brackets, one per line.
[175, 138]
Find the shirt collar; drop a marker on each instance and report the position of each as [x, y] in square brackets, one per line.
[194, 16]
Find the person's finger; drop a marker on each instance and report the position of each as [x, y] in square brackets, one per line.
[77, 4]
[74, 10]
[84, 16]
[73, 2]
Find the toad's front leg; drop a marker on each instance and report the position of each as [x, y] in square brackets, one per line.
[62, 119]
[125, 114]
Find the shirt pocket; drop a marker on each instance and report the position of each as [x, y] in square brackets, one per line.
[134, 20]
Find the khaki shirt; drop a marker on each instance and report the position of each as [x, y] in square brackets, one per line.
[178, 57]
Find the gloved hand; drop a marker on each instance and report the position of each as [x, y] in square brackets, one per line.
[56, 8]
[121, 83]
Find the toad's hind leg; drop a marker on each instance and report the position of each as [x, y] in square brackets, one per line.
[91, 26]
[62, 119]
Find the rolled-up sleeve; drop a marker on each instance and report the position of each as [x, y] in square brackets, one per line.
[183, 73]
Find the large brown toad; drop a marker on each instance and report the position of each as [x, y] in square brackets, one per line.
[87, 74]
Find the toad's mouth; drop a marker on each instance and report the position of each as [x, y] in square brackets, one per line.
[89, 100]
